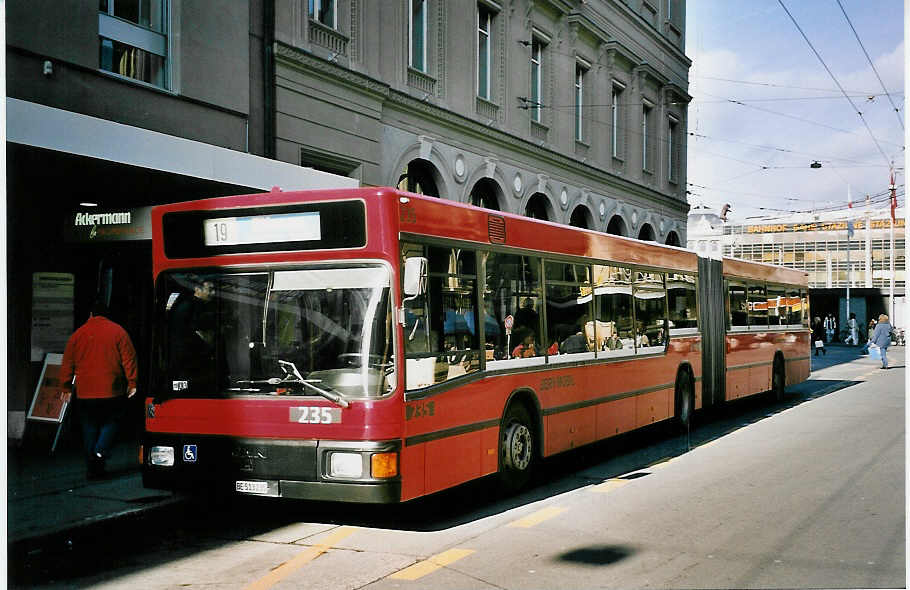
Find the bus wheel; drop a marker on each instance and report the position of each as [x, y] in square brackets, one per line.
[685, 401]
[516, 449]
[778, 379]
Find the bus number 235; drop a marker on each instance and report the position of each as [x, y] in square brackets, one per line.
[315, 415]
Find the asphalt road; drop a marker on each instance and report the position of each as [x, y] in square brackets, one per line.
[805, 493]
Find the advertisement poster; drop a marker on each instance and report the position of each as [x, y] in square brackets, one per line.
[52, 312]
[47, 405]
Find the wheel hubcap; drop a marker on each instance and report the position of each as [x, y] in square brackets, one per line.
[517, 447]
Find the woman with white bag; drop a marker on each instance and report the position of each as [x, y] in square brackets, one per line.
[818, 335]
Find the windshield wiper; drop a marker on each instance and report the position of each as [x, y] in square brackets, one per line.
[290, 370]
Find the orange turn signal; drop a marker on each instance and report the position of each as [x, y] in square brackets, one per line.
[384, 465]
[140, 455]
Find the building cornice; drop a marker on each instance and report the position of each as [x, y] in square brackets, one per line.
[646, 29]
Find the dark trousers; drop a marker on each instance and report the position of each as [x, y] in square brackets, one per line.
[100, 419]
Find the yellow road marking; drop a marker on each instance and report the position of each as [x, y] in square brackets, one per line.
[422, 568]
[289, 567]
[609, 485]
[537, 517]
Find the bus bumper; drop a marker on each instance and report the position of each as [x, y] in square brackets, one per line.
[300, 469]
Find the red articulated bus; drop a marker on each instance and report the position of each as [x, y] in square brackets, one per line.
[372, 345]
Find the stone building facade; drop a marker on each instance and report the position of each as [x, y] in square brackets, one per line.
[573, 111]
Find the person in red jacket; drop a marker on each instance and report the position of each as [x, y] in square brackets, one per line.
[101, 357]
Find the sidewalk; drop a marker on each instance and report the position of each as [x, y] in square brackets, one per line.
[50, 495]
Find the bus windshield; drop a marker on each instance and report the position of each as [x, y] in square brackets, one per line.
[316, 331]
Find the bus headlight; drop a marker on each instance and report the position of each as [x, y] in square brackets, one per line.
[346, 465]
[163, 456]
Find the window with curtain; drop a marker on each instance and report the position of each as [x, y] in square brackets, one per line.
[484, 51]
[580, 72]
[672, 149]
[537, 47]
[616, 116]
[646, 113]
[323, 12]
[417, 28]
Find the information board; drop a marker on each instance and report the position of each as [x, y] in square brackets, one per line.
[52, 312]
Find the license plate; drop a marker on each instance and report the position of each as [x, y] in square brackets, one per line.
[315, 415]
[252, 487]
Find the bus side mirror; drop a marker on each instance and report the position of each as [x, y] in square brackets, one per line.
[415, 276]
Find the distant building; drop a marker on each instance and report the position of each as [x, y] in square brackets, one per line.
[819, 245]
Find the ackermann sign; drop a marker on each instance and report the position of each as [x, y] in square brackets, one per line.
[120, 218]
[109, 226]
[820, 226]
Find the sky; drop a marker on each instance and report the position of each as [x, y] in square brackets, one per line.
[755, 154]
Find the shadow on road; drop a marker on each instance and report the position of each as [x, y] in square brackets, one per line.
[598, 555]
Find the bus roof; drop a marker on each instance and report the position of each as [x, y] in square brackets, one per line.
[745, 269]
[421, 215]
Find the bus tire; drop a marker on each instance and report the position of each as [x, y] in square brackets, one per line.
[778, 379]
[516, 449]
[685, 401]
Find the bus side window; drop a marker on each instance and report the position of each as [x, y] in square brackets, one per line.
[650, 297]
[777, 306]
[681, 301]
[441, 334]
[758, 305]
[794, 307]
[568, 310]
[739, 305]
[611, 332]
[512, 291]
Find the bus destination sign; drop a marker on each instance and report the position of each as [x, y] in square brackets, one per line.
[319, 225]
[262, 229]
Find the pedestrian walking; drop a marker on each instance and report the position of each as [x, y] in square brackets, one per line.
[881, 337]
[101, 358]
[830, 327]
[818, 336]
[853, 328]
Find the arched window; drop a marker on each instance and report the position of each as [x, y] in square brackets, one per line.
[419, 176]
[581, 217]
[673, 239]
[486, 194]
[617, 226]
[646, 233]
[538, 207]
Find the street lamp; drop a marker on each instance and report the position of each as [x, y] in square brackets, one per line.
[815, 164]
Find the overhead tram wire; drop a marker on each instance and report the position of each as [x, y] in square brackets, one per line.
[841, 88]
[795, 118]
[869, 59]
[772, 85]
